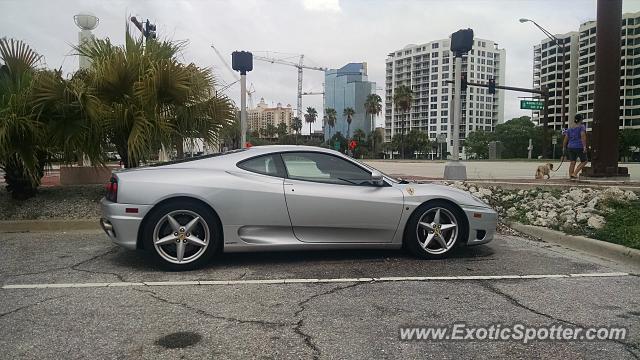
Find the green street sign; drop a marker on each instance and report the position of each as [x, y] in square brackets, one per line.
[336, 146]
[531, 104]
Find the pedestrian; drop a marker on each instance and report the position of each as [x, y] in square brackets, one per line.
[574, 146]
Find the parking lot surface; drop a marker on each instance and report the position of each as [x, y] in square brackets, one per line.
[77, 294]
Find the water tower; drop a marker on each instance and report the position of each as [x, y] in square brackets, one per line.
[86, 22]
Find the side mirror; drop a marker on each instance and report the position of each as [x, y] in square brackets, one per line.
[376, 178]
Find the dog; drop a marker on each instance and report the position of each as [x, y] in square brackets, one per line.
[544, 170]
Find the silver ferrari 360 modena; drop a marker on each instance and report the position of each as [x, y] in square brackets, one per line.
[284, 198]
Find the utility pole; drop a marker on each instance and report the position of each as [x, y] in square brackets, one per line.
[242, 61]
[461, 43]
[606, 97]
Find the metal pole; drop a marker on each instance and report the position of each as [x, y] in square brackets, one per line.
[243, 110]
[606, 97]
[457, 108]
[454, 169]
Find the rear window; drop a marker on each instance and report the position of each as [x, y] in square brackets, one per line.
[265, 164]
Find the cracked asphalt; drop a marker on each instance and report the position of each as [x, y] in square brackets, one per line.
[302, 321]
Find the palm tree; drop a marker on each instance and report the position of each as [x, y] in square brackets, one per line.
[331, 115]
[147, 98]
[348, 112]
[373, 106]
[310, 117]
[271, 130]
[402, 98]
[282, 130]
[22, 133]
[296, 126]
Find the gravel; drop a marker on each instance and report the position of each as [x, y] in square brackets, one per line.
[577, 210]
[56, 202]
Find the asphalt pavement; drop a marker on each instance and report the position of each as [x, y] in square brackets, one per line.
[270, 306]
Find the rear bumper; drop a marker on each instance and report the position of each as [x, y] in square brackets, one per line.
[121, 226]
[482, 224]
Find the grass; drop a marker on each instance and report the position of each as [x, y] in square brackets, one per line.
[622, 225]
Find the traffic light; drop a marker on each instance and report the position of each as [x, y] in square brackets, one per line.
[492, 86]
[463, 82]
[461, 41]
[150, 30]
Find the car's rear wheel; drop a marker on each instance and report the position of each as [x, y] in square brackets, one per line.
[434, 229]
[181, 235]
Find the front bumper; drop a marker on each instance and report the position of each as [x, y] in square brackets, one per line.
[121, 226]
[482, 224]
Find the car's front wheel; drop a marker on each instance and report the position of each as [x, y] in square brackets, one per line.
[434, 229]
[181, 235]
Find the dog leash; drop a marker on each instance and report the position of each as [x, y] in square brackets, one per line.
[561, 162]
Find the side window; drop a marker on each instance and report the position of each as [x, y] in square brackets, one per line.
[265, 164]
[325, 168]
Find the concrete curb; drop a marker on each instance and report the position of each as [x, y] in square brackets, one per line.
[598, 248]
[7, 226]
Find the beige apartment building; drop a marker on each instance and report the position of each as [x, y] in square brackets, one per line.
[263, 115]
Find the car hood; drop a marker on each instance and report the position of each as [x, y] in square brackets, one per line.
[418, 193]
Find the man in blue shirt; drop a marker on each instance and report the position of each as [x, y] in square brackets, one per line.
[575, 146]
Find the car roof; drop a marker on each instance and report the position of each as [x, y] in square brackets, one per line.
[266, 149]
[229, 159]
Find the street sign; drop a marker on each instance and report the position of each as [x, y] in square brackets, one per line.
[336, 146]
[531, 104]
[554, 139]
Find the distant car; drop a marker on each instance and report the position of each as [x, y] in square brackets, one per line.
[284, 198]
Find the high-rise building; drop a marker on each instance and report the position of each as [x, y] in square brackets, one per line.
[425, 69]
[263, 115]
[547, 72]
[579, 62]
[348, 87]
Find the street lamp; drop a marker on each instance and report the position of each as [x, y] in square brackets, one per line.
[562, 49]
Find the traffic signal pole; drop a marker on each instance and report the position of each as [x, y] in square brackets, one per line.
[457, 109]
[545, 95]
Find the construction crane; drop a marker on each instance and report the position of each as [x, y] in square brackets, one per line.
[235, 75]
[299, 65]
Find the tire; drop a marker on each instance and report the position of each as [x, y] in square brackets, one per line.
[421, 227]
[182, 226]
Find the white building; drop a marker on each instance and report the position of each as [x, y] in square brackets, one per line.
[580, 57]
[426, 68]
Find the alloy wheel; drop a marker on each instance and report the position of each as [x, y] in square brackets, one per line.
[181, 236]
[437, 230]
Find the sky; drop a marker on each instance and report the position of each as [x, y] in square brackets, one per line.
[330, 33]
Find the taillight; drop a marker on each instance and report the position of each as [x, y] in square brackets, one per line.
[112, 189]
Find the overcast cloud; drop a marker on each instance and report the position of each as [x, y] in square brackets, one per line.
[330, 33]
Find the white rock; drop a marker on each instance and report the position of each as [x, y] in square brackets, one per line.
[576, 195]
[630, 195]
[596, 222]
[593, 202]
[613, 193]
[485, 192]
[582, 217]
[511, 211]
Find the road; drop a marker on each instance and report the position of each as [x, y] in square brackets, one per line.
[485, 170]
[348, 318]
